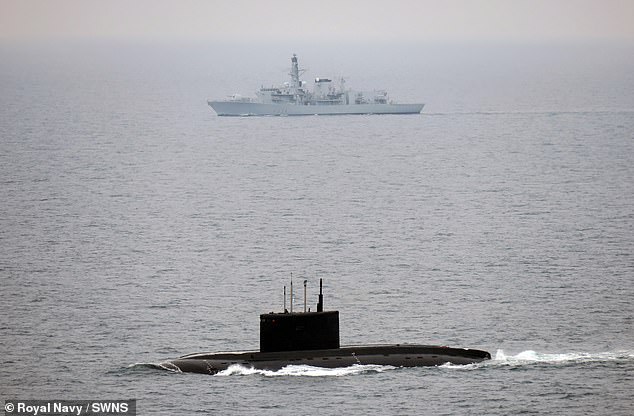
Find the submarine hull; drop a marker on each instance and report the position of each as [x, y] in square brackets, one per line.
[399, 355]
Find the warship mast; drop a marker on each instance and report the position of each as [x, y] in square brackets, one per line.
[296, 83]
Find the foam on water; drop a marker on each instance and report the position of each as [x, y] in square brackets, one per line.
[305, 371]
[533, 357]
[501, 359]
[530, 357]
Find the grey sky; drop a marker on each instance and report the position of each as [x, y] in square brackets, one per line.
[320, 20]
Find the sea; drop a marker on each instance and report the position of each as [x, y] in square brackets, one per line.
[137, 226]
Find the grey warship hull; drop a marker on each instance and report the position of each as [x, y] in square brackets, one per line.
[398, 355]
[243, 109]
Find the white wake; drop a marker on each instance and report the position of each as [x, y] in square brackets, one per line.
[532, 357]
[306, 371]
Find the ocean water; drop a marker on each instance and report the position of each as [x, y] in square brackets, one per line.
[136, 226]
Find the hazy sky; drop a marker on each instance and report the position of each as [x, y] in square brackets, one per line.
[320, 20]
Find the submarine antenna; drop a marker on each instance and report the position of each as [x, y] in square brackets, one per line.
[320, 303]
[284, 298]
[291, 292]
[305, 295]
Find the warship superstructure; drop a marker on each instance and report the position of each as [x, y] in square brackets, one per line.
[312, 338]
[326, 98]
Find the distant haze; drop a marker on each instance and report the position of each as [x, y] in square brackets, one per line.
[323, 20]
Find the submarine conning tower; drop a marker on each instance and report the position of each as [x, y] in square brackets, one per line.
[297, 331]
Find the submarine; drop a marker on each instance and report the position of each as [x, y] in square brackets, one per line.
[312, 338]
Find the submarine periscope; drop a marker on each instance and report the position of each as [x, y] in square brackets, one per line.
[312, 338]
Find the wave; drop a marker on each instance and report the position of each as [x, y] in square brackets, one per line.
[500, 360]
[533, 357]
[154, 366]
[289, 370]
[306, 371]
[530, 357]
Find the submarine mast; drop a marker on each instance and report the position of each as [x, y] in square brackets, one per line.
[297, 331]
[320, 302]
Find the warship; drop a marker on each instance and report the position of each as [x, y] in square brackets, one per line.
[312, 338]
[294, 99]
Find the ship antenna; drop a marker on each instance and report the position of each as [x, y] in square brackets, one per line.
[320, 303]
[305, 295]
